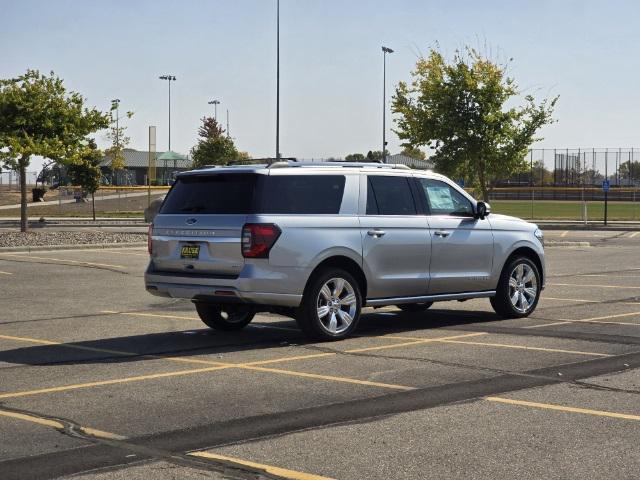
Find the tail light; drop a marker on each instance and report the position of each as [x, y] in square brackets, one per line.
[149, 239]
[258, 238]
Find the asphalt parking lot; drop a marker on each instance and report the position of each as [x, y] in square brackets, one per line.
[100, 380]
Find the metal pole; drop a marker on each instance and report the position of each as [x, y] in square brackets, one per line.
[277, 79]
[384, 105]
[227, 122]
[169, 114]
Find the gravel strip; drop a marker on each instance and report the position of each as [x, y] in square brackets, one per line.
[35, 239]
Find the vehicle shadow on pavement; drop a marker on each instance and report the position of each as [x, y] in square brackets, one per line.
[202, 342]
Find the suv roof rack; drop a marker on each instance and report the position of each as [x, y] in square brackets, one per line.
[283, 164]
[261, 161]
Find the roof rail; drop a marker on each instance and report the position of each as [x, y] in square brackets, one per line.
[268, 161]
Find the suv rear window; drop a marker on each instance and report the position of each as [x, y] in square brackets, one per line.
[211, 194]
[237, 193]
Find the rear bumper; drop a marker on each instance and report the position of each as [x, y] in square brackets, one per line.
[218, 290]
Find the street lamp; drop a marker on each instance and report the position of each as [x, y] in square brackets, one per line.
[115, 103]
[385, 50]
[169, 78]
[215, 104]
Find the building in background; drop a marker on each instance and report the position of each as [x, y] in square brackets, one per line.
[136, 162]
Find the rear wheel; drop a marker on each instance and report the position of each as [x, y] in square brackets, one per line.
[414, 307]
[330, 308]
[518, 289]
[225, 317]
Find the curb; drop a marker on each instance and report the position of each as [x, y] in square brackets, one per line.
[86, 246]
[566, 244]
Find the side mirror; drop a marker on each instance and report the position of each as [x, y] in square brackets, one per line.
[482, 210]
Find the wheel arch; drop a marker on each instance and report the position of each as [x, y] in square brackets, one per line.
[345, 263]
[531, 254]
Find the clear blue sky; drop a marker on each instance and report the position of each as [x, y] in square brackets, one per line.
[331, 63]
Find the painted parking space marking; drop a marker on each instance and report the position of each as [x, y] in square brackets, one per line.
[47, 422]
[516, 347]
[605, 317]
[564, 234]
[114, 381]
[5, 273]
[562, 408]
[13, 256]
[594, 286]
[93, 432]
[633, 234]
[547, 324]
[150, 315]
[270, 469]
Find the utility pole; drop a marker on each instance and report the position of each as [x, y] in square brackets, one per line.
[385, 50]
[169, 78]
[228, 123]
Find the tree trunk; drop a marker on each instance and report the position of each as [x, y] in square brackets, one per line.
[483, 182]
[93, 205]
[24, 226]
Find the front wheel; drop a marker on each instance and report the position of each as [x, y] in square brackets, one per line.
[330, 307]
[226, 318]
[518, 289]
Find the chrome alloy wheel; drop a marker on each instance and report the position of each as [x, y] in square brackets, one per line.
[523, 287]
[337, 305]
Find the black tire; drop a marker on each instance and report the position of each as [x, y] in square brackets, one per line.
[313, 300]
[502, 302]
[227, 318]
[414, 307]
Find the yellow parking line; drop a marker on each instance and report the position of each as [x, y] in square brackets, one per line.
[328, 377]
[416, 341]
[633, 234]
[5, 273]
[114, 381]
[564, 234]
[561, 408]
[569, 299]
[277, 471]
[610, 316]
[596, 286]
[46, 422]
[518, 347]
[523, 347]
[547, 324]
[74, 262]
[153, 315]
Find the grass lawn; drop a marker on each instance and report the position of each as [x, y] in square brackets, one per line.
[566, 210]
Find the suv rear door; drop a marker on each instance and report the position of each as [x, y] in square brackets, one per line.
[395, 238]
[199, 227]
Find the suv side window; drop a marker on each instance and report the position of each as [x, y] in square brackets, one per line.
[443, 199]
[389, 195]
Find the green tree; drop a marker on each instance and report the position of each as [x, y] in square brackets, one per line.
[459, 108]
[375, 156]
[39, 117]
[86, 173]
[116, 135]
[214, 147]
[355, 157]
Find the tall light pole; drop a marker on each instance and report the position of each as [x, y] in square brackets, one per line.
[277, 79]
[169, 78]
[385, 50]
[215, 104]
[115, 103]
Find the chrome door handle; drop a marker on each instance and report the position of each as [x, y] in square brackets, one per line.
[376, 233]
[441, 233]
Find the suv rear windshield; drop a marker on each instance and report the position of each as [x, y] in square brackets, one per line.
[243, 193]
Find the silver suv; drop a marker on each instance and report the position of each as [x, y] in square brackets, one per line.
[319, 241]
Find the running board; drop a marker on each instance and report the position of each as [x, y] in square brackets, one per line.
[376, 302]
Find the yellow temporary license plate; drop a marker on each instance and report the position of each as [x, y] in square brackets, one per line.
[190, 251]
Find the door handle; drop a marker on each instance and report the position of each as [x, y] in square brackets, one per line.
[375, 233]
[441, 233]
